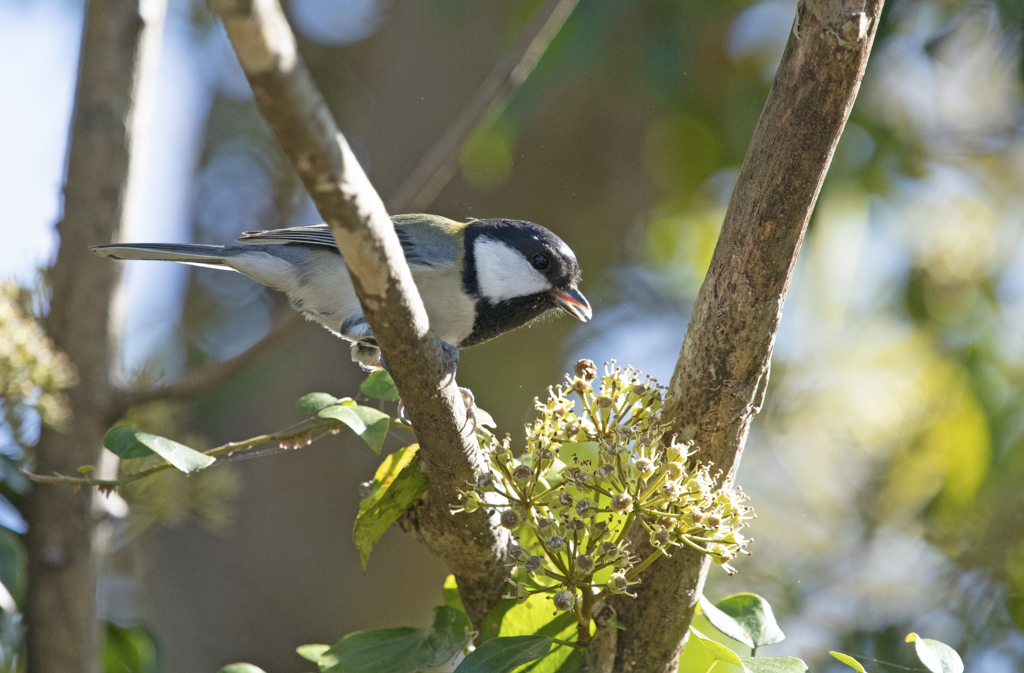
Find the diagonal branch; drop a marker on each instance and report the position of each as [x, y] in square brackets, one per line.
[722, 372]
[299, 118]
[415, 194]
[437, 166]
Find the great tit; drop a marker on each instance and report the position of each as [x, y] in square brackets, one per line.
[477, 280]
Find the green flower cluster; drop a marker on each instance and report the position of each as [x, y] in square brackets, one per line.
[588, 475]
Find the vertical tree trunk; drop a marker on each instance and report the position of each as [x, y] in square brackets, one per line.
[61, 600]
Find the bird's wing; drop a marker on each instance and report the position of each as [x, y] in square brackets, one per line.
[427, 240]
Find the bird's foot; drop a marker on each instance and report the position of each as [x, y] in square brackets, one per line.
[450, 362]
[401, 414]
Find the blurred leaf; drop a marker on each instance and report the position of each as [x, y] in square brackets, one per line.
[501, 655]
[128, 650]
[774, 664]
[484, 419]
[312, 652]
[241, 668]
[12, 563]
[396, 485]
[380, 385]
[311, 403]
[451, 594]
[747, 612]
[129, 442]
[937, 657]
[486, 155]
[370, 424]
[401, 650]
[716, 649]
[849, 661]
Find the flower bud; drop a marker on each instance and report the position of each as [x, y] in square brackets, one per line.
[522, 474]
[644, 467]
[622, 502]
[554, 543]
[564, 499]
[617, 583]
[471, 502]
[543, 524]
[608, 549]
[509, 519]
[533, 564]
[714, 520]
[585, 507]
[564, 600]
[516, 551]
[485, 482]
[675, 470]
[521, 593]
[660, 537]
[604, 401]
[586, 370]
[605, 472]
[639, 389]
[585, 563]
[671, 489]
[575, 524]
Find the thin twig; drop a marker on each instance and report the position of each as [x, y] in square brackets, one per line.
[437, 166]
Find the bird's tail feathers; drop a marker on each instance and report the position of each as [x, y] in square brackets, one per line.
[195, 254]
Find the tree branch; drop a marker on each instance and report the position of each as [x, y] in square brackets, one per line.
[415, 194]
[722, 372]
[118, 47]
[437, 166]
[298, 117]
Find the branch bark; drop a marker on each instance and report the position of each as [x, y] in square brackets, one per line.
[472, 545]
[722, 372]
[120, 38]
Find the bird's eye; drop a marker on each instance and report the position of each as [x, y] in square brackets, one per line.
[539, 261]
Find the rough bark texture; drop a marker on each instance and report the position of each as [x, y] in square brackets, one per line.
[300, 120]
[722, 372]
[61, 600]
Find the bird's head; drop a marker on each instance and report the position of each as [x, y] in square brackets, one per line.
[523, 268]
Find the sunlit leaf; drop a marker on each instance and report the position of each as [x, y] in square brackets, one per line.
[401, 650]
[370, 424]
[774, 664]
[751, 613]
[380, 385]
[849, 661]
[484, 419]
[397, 484]
[501, 655]
[534, 617]
[241, 668]
[312, 652]
[937, 657]
[451, 594]
[129, 649]
[314, 402]
[129, 442]
[716, 649]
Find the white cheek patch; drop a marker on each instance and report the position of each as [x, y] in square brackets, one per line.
[503, 273]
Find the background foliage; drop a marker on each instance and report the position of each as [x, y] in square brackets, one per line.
[887, 465]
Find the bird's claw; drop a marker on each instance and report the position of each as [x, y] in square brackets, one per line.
[470, 401]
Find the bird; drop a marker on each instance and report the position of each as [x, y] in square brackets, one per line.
[478, 279]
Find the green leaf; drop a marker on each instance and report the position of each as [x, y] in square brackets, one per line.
[241, 668]
[501, 655]
[849, 661]
[484, 419]
[532, 618]
[312, 652]
[937, 657]
[314, 402]
[716, 649]
[750, 613]
[129, 649]
[774, 664]
[380, 385]
[370, 424]
[129, 442]
[401, 650]
[452, 598]
[397, 484]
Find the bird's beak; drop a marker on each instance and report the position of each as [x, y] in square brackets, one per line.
[573, 302]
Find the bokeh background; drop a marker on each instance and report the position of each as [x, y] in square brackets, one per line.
[887, 467]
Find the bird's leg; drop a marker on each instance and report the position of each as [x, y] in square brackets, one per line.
[450, 362]
[467, 397]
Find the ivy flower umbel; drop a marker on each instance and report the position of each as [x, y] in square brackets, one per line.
[594, 467]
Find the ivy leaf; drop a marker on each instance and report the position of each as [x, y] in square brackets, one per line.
[937, 657]
[314, 402]
[370, 424]
[452, 598]
[312, 652]
[532, 618]
[849, 661]
[129, 442]
[397, 484]
[502, 655]
[716, 650]
[401, 650]
[380, 385]
[774, 664]
[744, 617]
[241, 668]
